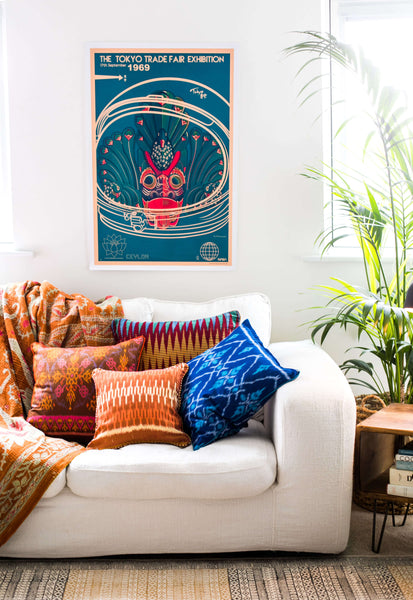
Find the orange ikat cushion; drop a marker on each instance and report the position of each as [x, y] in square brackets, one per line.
[64, 398]
[133, 408]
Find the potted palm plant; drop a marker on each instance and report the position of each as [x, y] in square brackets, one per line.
[377, 201]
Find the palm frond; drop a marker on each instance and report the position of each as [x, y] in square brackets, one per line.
[376, 204]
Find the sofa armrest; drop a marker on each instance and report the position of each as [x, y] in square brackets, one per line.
[312, 423]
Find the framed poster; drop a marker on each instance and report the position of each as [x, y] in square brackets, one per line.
[162, 153]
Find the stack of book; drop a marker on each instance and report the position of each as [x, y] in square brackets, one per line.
[401, 473]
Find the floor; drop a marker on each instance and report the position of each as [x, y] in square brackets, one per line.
[397, 541]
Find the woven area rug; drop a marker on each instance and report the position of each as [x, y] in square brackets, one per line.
[257, 579]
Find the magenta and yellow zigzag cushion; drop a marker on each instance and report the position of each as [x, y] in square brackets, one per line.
[168, 343]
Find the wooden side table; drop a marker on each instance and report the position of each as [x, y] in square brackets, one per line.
[377, 440]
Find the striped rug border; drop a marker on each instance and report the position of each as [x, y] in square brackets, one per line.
[284, 578]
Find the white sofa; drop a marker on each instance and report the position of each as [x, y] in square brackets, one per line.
[283, 486]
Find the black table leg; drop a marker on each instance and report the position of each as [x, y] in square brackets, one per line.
[376, 547]
[404, 518]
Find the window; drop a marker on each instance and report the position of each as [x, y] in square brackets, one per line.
[6, 226]
[382, 28]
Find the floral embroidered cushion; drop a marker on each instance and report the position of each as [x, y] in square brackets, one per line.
[64, 398]
[171, 342]
[139, 407]
[227, 384]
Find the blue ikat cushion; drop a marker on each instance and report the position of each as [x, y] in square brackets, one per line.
[227, 384]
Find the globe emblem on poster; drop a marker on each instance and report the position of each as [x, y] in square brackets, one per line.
[209, 251]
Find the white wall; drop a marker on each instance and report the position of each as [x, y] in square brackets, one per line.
[279, 212]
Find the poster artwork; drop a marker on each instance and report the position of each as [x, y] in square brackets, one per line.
[162, 157]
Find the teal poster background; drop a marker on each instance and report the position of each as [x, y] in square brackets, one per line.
[162, 156]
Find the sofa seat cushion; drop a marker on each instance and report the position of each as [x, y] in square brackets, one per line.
[235, 467]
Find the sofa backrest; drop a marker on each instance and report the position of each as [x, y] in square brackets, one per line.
[253, 306]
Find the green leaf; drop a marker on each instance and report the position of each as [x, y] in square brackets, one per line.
[410, 364]
[358, 364]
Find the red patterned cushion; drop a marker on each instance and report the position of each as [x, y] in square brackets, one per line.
[170, 342]
[64, 397]
[139, 407]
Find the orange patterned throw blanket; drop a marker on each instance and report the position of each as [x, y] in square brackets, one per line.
[29, 460]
